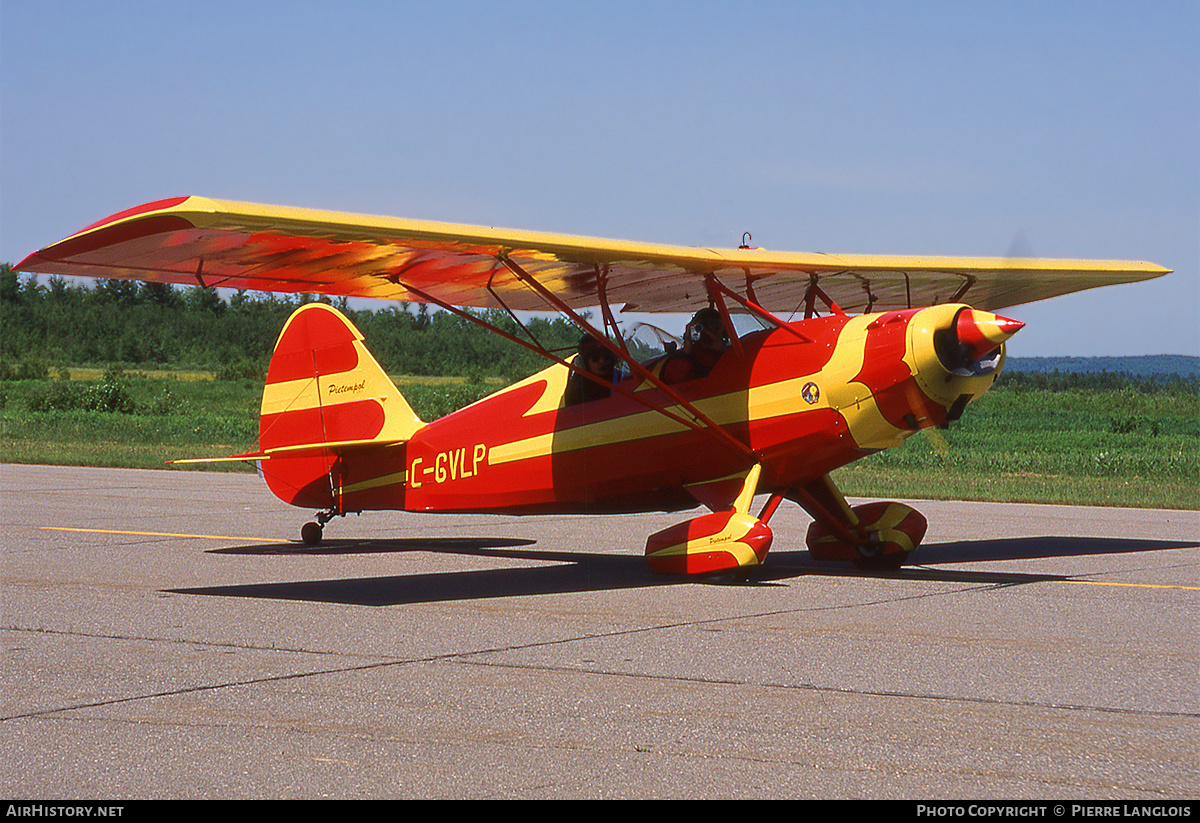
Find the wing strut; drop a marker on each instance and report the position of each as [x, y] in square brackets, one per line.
[810, 296]
[968, 282]
[637, 368]
[610, 322]
[704, 425]
[714, 296]
[752, 306]
[513, 316]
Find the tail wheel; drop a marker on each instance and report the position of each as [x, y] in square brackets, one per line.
[311, 533]
[893, 530]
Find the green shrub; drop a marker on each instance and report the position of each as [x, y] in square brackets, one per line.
[110, 394]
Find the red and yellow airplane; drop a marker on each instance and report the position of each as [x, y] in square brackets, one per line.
[888, 346]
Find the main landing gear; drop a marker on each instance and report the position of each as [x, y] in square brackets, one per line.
[873, 536]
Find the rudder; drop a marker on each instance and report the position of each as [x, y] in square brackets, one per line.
[325, 395]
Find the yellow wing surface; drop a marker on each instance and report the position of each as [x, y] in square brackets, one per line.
[219, 243]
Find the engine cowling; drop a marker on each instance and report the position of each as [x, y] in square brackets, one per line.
[955, 352]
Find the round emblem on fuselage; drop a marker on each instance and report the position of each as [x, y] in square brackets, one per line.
[810, 393]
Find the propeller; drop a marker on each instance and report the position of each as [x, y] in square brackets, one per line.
[971, 344]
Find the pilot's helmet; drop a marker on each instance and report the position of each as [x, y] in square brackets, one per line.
[706, 326]
[590, 349]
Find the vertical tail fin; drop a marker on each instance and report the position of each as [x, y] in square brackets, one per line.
[325, 395]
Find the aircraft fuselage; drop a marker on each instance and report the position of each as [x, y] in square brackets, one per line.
[804, 401]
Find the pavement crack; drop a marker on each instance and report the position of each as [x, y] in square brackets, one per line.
[179, 641]
[841, 690]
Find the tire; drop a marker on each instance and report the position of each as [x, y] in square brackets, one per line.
[311, 533]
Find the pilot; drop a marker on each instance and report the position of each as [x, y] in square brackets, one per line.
[597, 360]
[704, 341]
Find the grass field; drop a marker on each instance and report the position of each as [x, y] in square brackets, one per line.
[1112, 447]
[1115, 448]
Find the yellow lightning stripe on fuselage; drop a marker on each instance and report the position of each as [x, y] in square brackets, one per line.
[838, 391]
[854, 400]
[641, 426]
[394, 479]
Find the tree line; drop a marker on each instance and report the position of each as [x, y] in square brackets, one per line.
[154, 325]
[1057, 381]
[150, 325]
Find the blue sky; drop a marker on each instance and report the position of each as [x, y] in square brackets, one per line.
[1064, 129]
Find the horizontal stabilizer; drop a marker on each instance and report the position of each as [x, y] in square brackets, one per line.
[299, 450]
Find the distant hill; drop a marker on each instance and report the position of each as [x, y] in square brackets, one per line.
[1151, 365]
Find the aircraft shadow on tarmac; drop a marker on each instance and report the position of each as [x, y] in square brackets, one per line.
[585, 572]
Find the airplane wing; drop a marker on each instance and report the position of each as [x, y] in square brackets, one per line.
[198, 241]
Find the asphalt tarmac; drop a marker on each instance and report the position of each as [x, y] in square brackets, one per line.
[167, 636]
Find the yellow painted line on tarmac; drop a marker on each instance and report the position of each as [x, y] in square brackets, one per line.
[159, 534]
[1134, 585]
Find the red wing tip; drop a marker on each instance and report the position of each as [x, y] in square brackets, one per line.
[157, 205]
[28, 262]
[31, 262]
